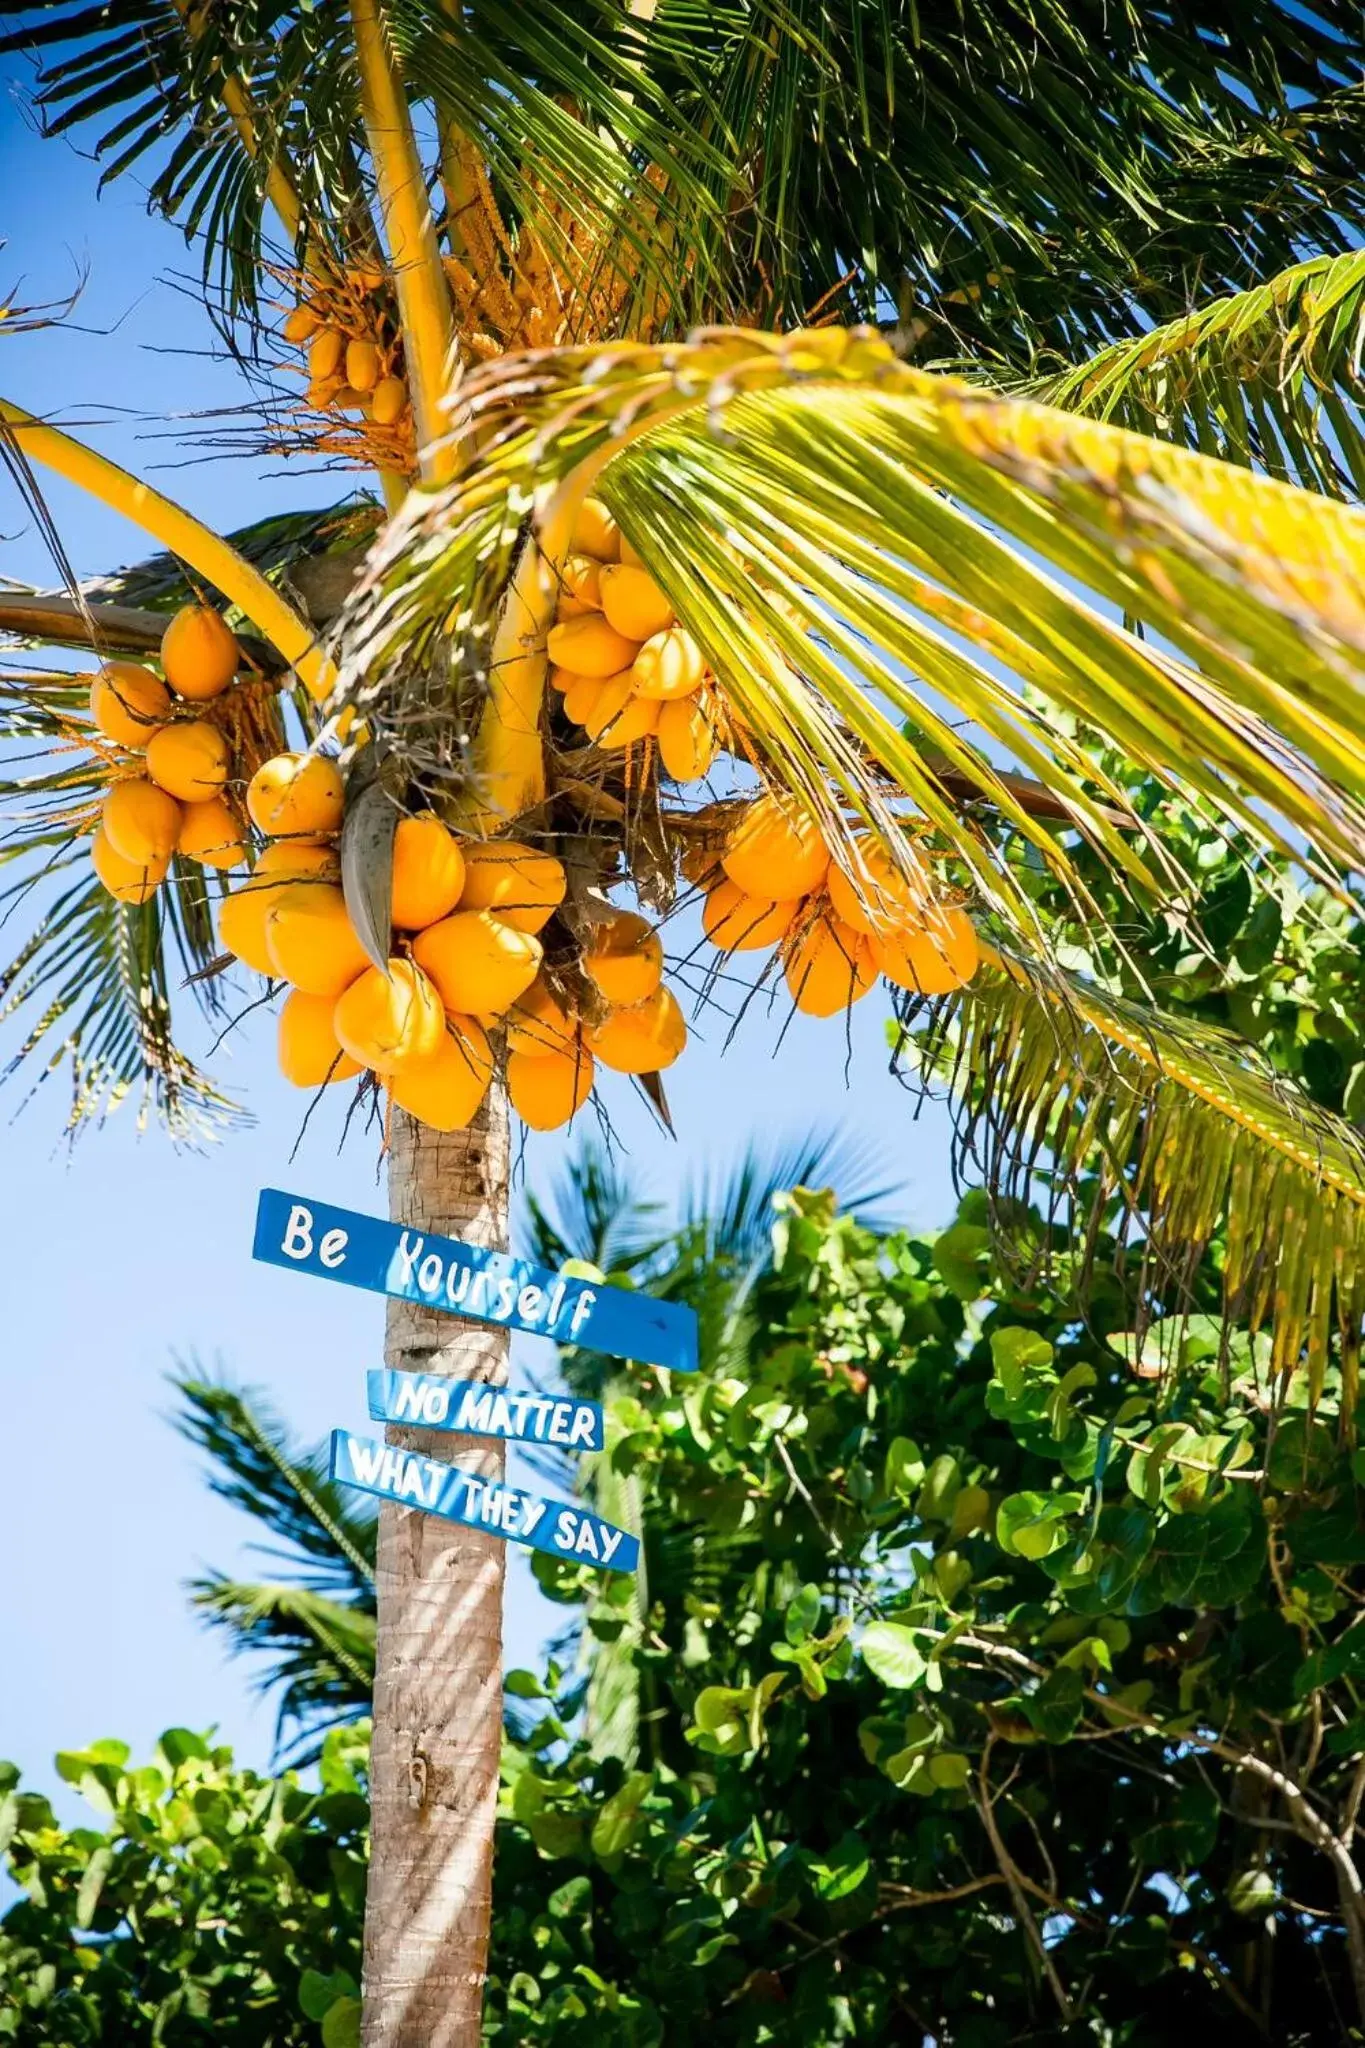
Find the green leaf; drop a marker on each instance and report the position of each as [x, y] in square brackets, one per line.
[616, 1823]
[961, 1255]
[524, 1685]
[891, 1654]
[842, 1869]
[341, 2027]
[803, 1615]
[1013, 1353]
[92, 1884]
[1032, 1525]
[1055, 1709]
[940, 1490]
[319, 1993]
[904, 1468]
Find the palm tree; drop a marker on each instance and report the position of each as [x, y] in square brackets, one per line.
[917, 597]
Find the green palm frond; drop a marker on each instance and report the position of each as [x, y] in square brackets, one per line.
[313, 1628]
[1188, 1132]
[277, 545]
[318, 1653]
[253, 1465]
[863, 551]
[1269, 377]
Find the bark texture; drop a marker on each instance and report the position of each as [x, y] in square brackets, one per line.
[438, 1671]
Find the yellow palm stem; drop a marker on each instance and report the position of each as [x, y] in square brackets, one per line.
[423, 294]
[180, 532]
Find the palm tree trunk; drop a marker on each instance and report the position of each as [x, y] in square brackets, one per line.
[438, 1670]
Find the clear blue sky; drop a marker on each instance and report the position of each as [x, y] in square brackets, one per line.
[122, 1254]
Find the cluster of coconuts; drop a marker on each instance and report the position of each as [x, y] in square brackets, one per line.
[466, 960]
[776, 885]
[627, 671]
[355, 349]
[174, 762]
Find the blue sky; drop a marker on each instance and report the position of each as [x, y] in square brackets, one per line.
[123, 1254]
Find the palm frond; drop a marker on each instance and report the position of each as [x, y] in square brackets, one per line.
[1189, 1133]
[253, 1465]
[1269, 377]
[732, 1206]
[280, 546]
[318, 1653]
[859, 548]
[594, 1211]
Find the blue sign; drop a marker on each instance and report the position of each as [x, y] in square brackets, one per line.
[509, 1511]
[466, 1280]
[476, 1409]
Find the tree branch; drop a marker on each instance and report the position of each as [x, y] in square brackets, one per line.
[118, 628]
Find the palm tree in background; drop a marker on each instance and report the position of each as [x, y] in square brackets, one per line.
[922, 595]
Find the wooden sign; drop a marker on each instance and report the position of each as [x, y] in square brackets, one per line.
[472, 1408]
[465, 1280]
[558, 1526]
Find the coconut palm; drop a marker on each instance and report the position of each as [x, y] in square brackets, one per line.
[917, 597]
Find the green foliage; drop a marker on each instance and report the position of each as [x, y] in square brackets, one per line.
[953, 1563]
[205, 1901]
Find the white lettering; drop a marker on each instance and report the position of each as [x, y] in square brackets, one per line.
[332, 1250]
[584, 1427]
[507, 1298]
[511, 1511]
[586, 1545]
[559, 1426]
[391, 1470]
[366, 1458]
[408, 1404]
[476, 1405]
[566, 1528]
[298, 1233]
[408, 1254]
[500, 1421]
[532, 1510]
[528, 1303]
[556, 1302]
[435, 1403]
[480, 1281]
[410, 1485]
[430, 1273]
[456, 1294]
[612, 1539]
[582, 1309]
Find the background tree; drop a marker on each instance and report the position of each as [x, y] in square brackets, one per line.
[857, 521]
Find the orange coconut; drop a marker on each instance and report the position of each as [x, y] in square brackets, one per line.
[311, 941]
[931, 959]
[589, 646]
[595, 532]
[141, 822]
[309, 1053]
[618, 716]
[878, 896]
[389, 1020]
[634, 603]
[669, 666]
[580, 588]
[537, 1022]
[548, 1088]
[743, 924]
[128, 703]
[774, 851]
[210, 834]
[643, 1038]
[428, 872]
[389, 401]
[687, 740]
[199, 653]
[829, 967]
[296, 794]
[521, 886]
[190, 761]
[130, 881]
[479, 964]
[445, 1090]
[624, 957]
